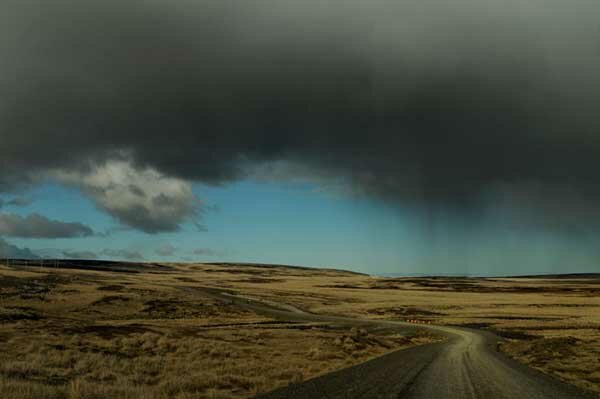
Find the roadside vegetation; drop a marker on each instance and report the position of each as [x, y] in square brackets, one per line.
[551, 324]
[153, 331]
[98, 334]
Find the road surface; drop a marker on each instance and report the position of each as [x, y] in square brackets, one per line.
[465, 365]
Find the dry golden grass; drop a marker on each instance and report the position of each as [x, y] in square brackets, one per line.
[550, 324]
[89, 334]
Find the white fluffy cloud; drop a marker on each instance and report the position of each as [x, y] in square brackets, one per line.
[142, 198]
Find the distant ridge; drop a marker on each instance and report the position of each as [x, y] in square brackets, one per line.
[451, 275]
[275, 265]
[84, 264]
[137, 267]
[428, 275]
[558, 276]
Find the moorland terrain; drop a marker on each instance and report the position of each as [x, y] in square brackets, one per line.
[84, 329]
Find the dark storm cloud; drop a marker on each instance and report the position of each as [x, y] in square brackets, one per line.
[8, 250]
[428, 103]
[38, 226]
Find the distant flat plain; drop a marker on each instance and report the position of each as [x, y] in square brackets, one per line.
[154, 331]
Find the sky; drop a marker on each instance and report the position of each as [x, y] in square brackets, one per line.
[248, 222]
[408, 137]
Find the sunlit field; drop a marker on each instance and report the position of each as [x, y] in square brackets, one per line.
[154, 333]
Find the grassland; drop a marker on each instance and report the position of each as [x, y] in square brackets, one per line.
[153, 331]
[551, 324]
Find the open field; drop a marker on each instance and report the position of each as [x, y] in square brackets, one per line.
[155, 330]
[551, 324]
[151, 332]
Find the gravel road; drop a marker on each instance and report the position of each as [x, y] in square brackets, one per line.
[464, 365]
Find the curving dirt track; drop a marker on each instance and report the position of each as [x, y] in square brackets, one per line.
[465, 365]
